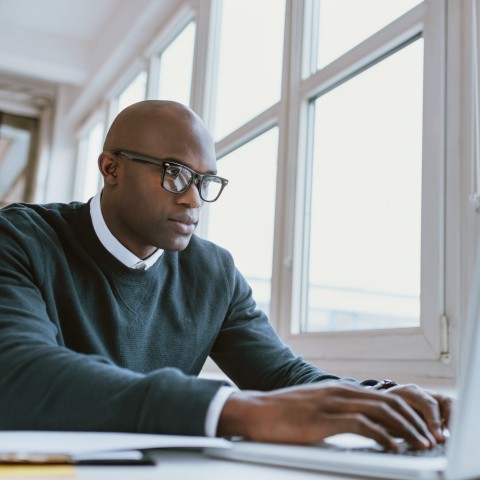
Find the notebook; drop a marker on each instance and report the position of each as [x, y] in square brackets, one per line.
[340, 454]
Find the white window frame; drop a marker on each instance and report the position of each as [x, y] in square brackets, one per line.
[360, 351]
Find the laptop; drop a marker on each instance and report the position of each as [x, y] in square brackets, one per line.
[355, 455]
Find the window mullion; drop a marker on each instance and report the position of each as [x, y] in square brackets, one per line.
[370, 51]
[292, 159]
[205, 63]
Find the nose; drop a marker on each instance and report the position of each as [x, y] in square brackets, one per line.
[191, 197]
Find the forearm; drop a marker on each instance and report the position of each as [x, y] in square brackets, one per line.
[47, 387]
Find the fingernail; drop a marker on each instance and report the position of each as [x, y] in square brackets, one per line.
[432, 440]
[426, 443]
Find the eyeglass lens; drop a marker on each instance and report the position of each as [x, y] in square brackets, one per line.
[177, 178]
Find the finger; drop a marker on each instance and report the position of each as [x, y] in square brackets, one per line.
[399, 421]
[446, 406]
[397, 403]
[426, 425]
[361, 425]
[426, 405]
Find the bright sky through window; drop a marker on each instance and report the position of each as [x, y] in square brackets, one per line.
[176, 67]
[94, 142]
[242, 219]
[250, 65]
[339, 31]
[364, 269]
[135, 92]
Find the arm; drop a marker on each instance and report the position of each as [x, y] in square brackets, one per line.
[250, 351]
[45, 385]
[308, 414]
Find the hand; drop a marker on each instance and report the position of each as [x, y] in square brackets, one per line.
[434, 408]
[309, 413]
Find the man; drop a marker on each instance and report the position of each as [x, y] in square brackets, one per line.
[108, 311]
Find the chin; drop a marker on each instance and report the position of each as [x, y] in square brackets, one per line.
[177, 245]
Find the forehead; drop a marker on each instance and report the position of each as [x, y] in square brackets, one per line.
[181, 138]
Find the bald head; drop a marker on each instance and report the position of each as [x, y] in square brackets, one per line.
[139, 211]
[143, 125]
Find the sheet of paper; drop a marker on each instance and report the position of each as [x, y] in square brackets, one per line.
[77, 443]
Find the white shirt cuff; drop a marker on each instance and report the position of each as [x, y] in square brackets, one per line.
[215, 409]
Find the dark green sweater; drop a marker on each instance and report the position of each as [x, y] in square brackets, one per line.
[87, 343]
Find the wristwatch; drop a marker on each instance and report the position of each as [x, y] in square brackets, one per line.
[384, 384]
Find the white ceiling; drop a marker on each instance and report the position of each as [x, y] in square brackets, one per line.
[78, 19]
[44, 43]
[49, 39]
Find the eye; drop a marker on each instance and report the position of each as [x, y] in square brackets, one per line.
[173, 171]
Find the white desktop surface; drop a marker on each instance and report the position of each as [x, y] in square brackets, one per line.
[186, 465]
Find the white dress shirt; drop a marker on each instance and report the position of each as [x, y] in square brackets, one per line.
[125, 256]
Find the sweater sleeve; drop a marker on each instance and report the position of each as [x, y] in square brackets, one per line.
[44, 385]
[249, 350]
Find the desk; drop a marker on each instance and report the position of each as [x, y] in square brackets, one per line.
[190, 465]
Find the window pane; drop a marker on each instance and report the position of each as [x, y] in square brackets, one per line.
[364, 266]
[242, 219]
[89, 175]
[338, 32]
[135, 92]
[17, 156]
[176, 67]
[250, 63]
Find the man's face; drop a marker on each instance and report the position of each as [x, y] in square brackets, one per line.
[143, 215]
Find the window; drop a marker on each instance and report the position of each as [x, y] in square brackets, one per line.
[250, 61]
[346, 257]
[365, 222]
[242, 220]
[135, 91]
[246, 127]
[339, 32]
[175, 68]
[18, 145]
[369, 191]
[88, 178]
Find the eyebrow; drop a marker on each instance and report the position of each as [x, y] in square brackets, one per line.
[138, 156]
[179, 162]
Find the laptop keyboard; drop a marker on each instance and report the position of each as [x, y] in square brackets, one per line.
[438, 451]
[404, 449]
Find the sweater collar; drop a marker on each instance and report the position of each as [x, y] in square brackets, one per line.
[112, 244]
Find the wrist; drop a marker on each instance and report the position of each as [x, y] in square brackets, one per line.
[238, 415]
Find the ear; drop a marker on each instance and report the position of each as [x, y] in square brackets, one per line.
[108, 166]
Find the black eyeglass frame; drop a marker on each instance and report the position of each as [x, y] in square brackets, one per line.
[196, 177]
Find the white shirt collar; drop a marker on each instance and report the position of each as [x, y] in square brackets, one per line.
[112, 244]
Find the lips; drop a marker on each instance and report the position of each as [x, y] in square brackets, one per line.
[184, 224]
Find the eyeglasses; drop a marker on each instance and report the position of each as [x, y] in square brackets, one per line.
[177, 178]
